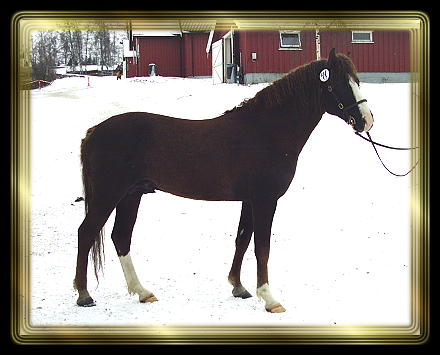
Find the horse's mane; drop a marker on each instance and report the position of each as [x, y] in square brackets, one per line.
[299, 89]
[343, 66]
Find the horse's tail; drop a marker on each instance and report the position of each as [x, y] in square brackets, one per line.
[88, 186]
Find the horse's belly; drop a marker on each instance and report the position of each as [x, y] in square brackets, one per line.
[200, 195]
[210, 188]
[211, 179]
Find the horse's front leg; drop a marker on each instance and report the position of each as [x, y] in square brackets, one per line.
[263, 212]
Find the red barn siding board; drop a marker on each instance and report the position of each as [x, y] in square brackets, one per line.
[201, 62]
[398, 52]
[375, 63]
[381, 47]
[406, 39]
[188, 69]
[383, 56]
[403, 51]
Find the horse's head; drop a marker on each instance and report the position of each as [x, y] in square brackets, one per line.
[342, 96]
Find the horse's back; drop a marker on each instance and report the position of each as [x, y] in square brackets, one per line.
[212, 159]
[190, 158]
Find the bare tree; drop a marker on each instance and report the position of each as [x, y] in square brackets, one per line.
[44, 55]
[75, 47]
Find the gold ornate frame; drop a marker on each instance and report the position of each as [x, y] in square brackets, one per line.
[22, 332]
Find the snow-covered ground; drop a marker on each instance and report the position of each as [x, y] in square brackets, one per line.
[340, 254]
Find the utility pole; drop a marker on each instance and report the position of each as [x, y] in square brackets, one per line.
[318, 44]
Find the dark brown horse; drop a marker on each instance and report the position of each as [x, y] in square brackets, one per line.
[248, 154]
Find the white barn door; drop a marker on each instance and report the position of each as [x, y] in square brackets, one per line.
[217, 62]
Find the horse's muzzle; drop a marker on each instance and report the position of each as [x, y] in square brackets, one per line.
[369, 121]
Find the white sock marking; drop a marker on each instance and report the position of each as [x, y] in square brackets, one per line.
[264, 293]
[133, 284]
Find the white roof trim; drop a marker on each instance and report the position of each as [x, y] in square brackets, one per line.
[156, 33]
[208, 45]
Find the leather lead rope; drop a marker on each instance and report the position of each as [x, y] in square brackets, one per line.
[373, 143]
[350, 120]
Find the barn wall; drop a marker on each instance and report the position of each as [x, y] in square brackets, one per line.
[270, 58]
[387, 59]
[186, 56]
[165, 52]
[390, 51]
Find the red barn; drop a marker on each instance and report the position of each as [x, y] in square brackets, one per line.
[174, 54]
[249, 56]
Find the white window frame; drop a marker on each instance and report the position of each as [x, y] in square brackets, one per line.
[362, 40]
[291, 46]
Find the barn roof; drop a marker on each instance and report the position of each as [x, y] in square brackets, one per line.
[155, 33]
[172, 27]
[262, 21]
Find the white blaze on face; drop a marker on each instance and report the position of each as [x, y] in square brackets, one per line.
[363, 107]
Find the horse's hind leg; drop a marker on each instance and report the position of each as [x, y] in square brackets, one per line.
[244, 234]
[88, 233]
[126, 213]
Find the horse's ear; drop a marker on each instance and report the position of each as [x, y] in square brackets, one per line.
[331, 57]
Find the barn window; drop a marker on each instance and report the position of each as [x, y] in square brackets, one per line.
[290, 40]
[362, 37]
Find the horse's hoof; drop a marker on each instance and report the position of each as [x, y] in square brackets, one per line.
[276, 309]
[149, 299]
[86, 302]
[245, 295]
[241, 292]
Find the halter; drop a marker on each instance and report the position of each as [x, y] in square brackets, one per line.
[349, 119]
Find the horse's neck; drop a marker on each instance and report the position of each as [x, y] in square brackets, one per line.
[293, 125]
[297, 129]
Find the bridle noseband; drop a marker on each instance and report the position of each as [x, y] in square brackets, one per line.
[349, 119]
